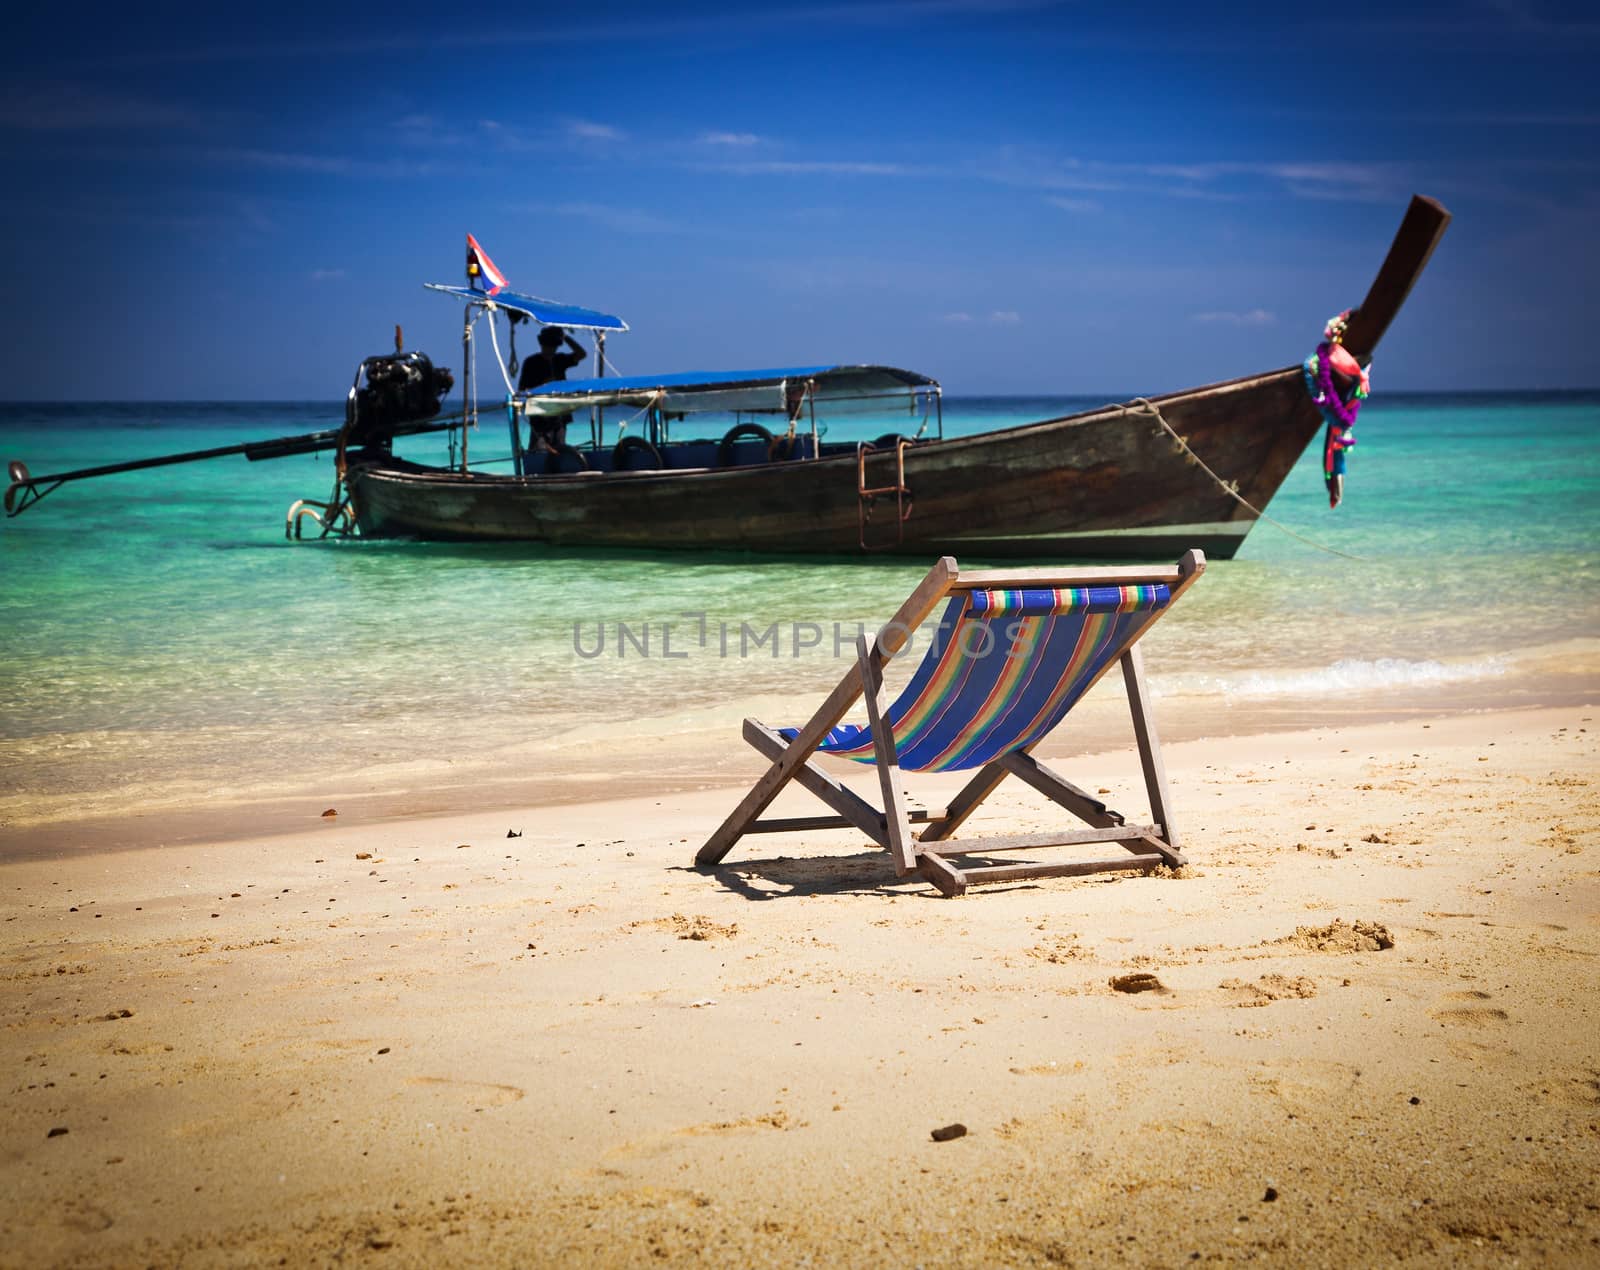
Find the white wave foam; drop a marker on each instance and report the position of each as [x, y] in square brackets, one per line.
[1348, 674]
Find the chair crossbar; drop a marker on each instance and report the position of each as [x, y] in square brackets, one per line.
[1075, 868]
[794, 824]
[951, 881]
[1109, 575]
[1084, 806]
[1032, 841]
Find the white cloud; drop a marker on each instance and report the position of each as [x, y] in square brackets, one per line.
[625, 220]
[508, 138]
[729, 139]
[316, 164]
[1073, 204]
[588, 130]
[1070, 182]
[569, 133]
[282, 161]
[1227, 317]
[1315, 178]
[1000, 317]
[817, 167]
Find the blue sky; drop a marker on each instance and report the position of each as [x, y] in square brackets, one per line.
[1012, 197]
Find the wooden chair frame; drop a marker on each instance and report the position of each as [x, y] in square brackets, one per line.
[1145, 846]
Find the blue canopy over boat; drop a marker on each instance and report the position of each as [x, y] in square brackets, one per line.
[545, 312]
[698, 391]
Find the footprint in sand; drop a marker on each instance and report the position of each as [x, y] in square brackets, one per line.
[478, 1093]
[1306, 1088]
[779, 1120]
[656, 1198]
[1470, 1010]
[1047, 1069]
[1573, 1089]
[1267, 989]
[87, 1219]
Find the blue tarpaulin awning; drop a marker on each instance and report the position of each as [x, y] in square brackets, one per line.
[545, 312]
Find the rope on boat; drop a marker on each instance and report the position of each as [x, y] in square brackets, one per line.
[498, 361]
[644, 409]
[1230, 488]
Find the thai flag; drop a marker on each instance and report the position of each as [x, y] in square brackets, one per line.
[477, 256]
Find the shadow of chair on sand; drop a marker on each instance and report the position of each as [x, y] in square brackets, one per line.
[865, 873]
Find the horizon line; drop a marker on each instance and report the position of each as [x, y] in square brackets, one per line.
[1109, 398]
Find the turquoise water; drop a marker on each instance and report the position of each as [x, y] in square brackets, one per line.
[157, 628]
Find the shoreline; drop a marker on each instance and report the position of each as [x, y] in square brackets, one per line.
[700, 756]
[745, 1064]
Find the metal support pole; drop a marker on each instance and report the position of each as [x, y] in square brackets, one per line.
[516, 436]
[811, 403]
[600, 367]
[469, 386]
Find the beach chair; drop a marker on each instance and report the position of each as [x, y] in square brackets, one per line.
[1014, 651]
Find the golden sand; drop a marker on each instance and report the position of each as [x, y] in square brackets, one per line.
[1375, 1035]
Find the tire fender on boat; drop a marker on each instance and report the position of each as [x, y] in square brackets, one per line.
[737, 433]
[628, 446]
[556, 460]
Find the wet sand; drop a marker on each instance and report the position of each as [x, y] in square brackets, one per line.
[1374, 1035]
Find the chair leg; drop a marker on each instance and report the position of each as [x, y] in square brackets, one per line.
[750, 807]
[922, 600]
[949, 880]
[851, 807]
[1144, 729]
[782, 770]
[898, 824]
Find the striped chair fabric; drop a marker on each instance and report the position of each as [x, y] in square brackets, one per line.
[1004, 668]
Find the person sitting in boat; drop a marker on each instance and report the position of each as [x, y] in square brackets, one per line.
[550, 364]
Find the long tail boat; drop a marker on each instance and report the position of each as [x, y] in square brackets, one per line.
[1143, 479]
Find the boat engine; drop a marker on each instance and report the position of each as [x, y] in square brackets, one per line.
[392, 390]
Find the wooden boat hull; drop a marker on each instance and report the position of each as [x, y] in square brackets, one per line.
[1106, 483]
